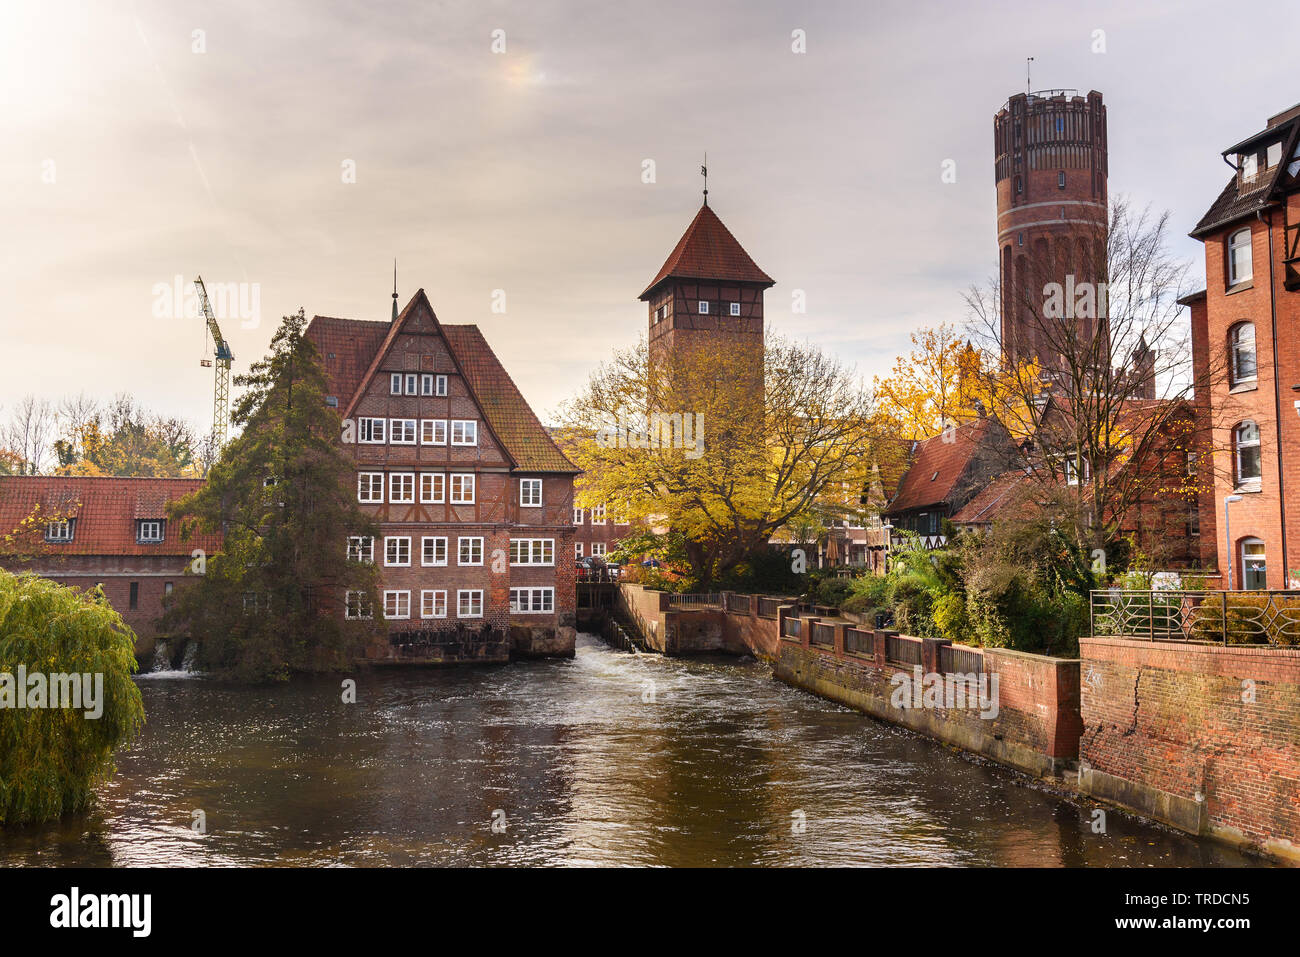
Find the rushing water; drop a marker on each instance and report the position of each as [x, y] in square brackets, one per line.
[713, 771]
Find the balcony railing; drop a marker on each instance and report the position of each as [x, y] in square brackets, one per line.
[1210, 617]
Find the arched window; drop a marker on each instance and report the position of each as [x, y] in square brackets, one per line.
[1241, 353]
[1245, 448]
[1254, 567]
[1239, 260]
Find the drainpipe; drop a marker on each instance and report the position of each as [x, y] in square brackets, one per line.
[1277, 400]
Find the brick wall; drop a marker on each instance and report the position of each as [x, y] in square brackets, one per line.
[1203, 737]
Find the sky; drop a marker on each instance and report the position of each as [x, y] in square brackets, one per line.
[497, 152]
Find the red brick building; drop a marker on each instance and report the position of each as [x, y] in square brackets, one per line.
[106, 531]
[473, 498]
[1247, 358]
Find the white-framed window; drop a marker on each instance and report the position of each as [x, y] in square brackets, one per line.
[433, 431]
[401, 431]
[60, 531]
[469, 603]
[149, 530]
[598, 515]
[412, 383]
[361, 548]
[462, 488]
[464, 432]
[371, 431]
[426, 384]
[530, 492]
[433, 488]
[577, 515]
[395, 383]
[532, 601]
[1254, 565]
[469, 550]
[433, 603]
[1240, 265]
[401, 487]
[397, 550]
[433, 550]
[440, 385]
[1241, 345]
[356, 605]
[532, 551]
[1246, 454]
[704, 307]
[1074, 466]
[577, 549]
[598, 548]
[397, 605]
[370, 487]
[735, 308]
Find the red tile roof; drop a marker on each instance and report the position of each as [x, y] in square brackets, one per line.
[359, 347]
[938, 464]
[106, 510]
[707, 250]
[1005, 492]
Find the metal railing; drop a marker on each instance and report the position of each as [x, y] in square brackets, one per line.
[1211, 617]
[768, 607]
[822, 635]
[859, 642]
[695, 601]
[902, 650]
[954, 660]
[790, 628]
[738, 603]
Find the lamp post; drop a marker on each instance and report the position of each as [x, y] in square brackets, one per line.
[1227, 531]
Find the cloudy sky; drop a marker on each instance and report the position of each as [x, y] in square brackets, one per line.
[137, 151]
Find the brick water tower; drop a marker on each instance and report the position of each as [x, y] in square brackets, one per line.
[1050, 149]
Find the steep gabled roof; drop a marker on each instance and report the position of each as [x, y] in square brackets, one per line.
[1233, 205]
[1005, 492]
[359, 347]
[707, 250]
[939, 463]
[106, 509]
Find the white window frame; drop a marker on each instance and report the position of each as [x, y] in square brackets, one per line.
[1237, 348]
[371, 431]
[357, 600]
[412, 383]
[474, 595]
[394, 383]
[578, 514]
[426, 383]
[532, 551]
[539, 601]
[1242, 481]
[431, 600]
[402, 431]
[401, 606]
[1237, 244]
[704, 307]
[401, 488]
[598, 515]
[433, 488]
[440, 385]
[429, 553]
[361, 548]
[467, 429]
[527, 488]
[735, 308]
[372, 483]
[433, 431]
[577, 549]
[466, 480]
[155, 525]
[394, 547]
[475, 543]
[597, 549]
[61, 531]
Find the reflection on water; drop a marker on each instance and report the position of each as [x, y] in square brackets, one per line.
[712, 772]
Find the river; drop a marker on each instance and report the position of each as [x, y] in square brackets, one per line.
[610, 758]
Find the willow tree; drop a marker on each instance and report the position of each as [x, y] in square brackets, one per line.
[52, 754]
[283, 492]
[722, 448]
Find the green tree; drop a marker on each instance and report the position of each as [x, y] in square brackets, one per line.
[51, 758]
[271, 602]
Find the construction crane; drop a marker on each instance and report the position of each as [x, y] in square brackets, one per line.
[221, 371]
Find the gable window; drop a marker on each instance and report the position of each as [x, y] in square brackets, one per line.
[534, 601]
[530, 492]
[397, 550]
[433, 550]
[370, 487]
[469, 550]
[440, 385]
[357, 606]
[371, 431]
[464, 432]
[412, 384]
[735, 308]
[149, 530]
[401, 488]
[1241, 344]
[1246, 455]
[462, 488]
[426, 384]
[532, 551]
[433, 487]
[598, 515]
[395, 384]
[60, 531]
[361, 548]
[402, 431]
[433, 603]
[469, 603]
[433, 431]
[1240, 266]
[704, 307]
[577, 516]
[397, 604]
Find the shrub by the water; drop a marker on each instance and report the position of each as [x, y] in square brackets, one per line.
[52, 758]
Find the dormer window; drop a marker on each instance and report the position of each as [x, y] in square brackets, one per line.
[704, 307]
[149, 530]
[60, 531]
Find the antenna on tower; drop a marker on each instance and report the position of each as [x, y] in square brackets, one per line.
[1029, 85]
[704, 171]
[394, 290]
